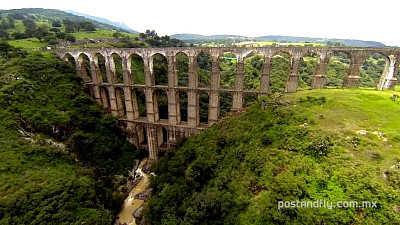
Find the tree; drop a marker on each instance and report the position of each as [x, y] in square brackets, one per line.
[56, 23]
[117, 35]
[142, 35]
[4, 34]
[18, 35]
[30, 27]
[41, 32]
[86, 25]
[69, 26]
[70, 38]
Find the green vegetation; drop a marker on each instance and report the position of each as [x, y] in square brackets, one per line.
[299, 148]
[63, 157]
[34, 28]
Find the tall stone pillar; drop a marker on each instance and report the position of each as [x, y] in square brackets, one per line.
[149, 94]
[388, 79]
[213, 106]
[193, 108]
[318, 80]
[172, 137]
[151, 106]
[81, 71]
[193, 102]
[265, 75]
[128, 104]
[113, 101]
[353, 77]
[172, 93]
[126, 71]
[152, 141]
[96, 80]
[172, 107]
[293, 78]
[238, 95]
[111, 78]
[148, 67]
[172, 73]
[193, 72]
[135, 107]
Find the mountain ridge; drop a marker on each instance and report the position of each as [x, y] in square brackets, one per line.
[104, 20]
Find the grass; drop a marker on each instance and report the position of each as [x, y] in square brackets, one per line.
[350, 110]
[310, 149]
[99, 34]
[28, 43]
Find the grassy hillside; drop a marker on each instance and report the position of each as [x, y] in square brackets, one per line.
[63, 157]
[333, 145]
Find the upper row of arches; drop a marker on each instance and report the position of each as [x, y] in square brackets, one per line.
[227, 62]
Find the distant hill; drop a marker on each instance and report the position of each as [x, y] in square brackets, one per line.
[279, 38]
[102, 20]
[49, 15]
[349, 42]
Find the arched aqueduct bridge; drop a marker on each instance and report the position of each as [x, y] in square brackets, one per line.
[147, 130]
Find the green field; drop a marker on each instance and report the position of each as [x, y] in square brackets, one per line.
[28, 43]
[99, 34]
[269, 43]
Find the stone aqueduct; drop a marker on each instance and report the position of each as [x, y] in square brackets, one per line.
[153, 133]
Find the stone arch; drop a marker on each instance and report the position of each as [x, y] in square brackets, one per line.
[182, 111]
[307, 68]
[182, 69]
[203, 108]
[69, 58]
[100, 62]
[85, 71]
[225, 104]
[227, 69]
[120, 100]
[253, 66]
[337, 68]
[117, 68]
[204, 63]
[374, 68]
[136, 68]
[105, 98]
[160, 99]
[281, 64]
[160, 69]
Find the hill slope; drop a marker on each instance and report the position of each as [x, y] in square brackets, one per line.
[54, 14]
[339, 145]
[106, 21]
[279, 38]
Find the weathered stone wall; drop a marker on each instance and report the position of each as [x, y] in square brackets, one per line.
[149, 132]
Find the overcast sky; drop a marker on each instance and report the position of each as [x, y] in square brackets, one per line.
[351, 19]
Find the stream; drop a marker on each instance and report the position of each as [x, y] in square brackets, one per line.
[131, 204]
